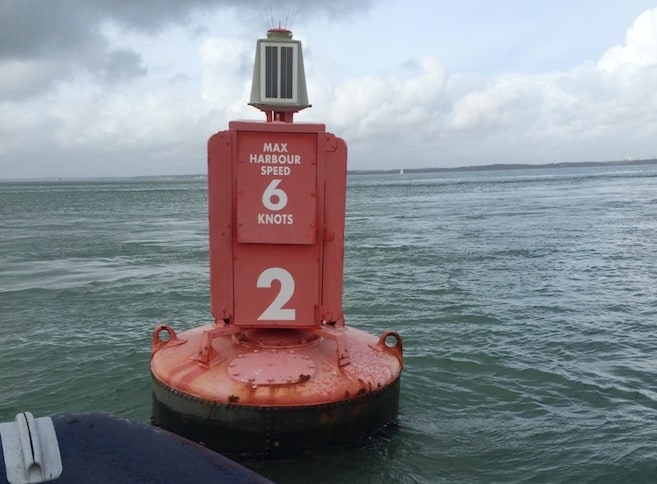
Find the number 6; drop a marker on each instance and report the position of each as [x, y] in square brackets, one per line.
[270, 192]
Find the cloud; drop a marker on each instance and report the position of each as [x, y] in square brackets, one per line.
[119, 87]
[42, 43]
[227, 66]
[37, 28]
[45, 42]
[21, 79]
[372, 107]
[141, 95]
[594, 111]
[640, 47]
[494, 107]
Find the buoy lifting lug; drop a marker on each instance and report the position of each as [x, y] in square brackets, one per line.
[170, 340]
[395, 347]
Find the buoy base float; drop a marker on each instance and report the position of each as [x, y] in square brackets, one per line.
[273, 392]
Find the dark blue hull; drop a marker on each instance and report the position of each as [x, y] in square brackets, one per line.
[99, 448]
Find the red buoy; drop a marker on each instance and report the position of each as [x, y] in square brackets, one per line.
[278, 371]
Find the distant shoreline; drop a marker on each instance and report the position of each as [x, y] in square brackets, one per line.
[506, 166]
[393, 171]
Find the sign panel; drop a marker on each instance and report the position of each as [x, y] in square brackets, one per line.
[276, 194]
[276, 188]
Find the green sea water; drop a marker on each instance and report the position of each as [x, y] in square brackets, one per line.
[527, 300]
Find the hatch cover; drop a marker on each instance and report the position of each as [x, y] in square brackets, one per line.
[271, 367]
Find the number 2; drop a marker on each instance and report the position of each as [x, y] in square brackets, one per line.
[275, 310]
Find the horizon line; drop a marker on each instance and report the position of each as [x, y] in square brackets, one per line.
[373, 171]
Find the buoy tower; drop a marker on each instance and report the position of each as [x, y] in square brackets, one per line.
[278, 371]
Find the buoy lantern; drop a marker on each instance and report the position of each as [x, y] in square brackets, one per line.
[278, 371]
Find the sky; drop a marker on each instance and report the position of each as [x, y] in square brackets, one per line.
[112, 88]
